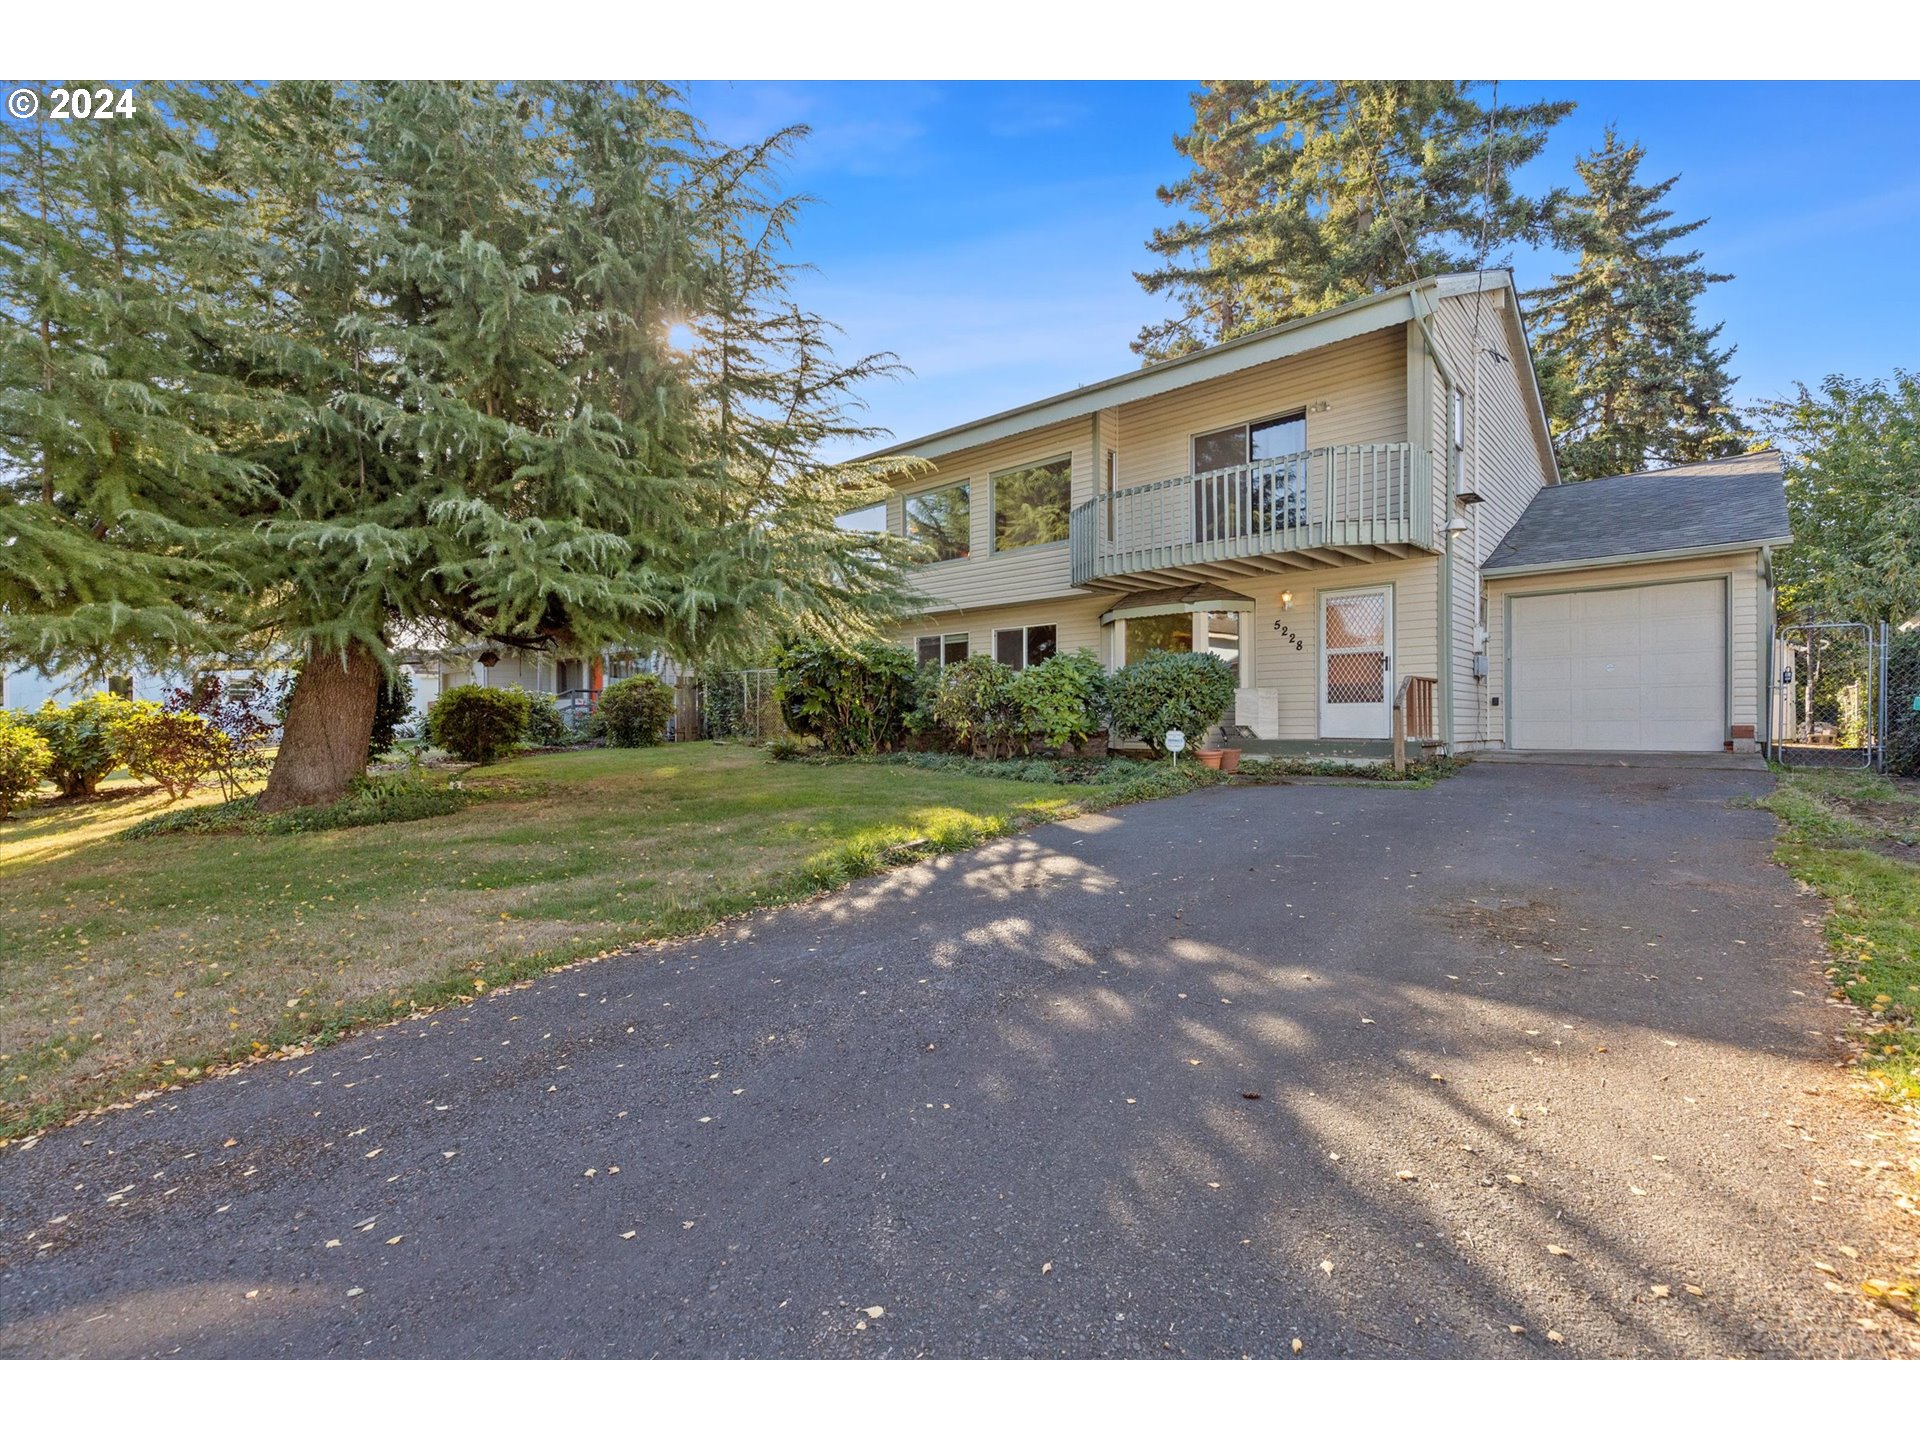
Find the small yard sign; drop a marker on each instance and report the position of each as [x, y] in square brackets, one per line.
[1176, 741]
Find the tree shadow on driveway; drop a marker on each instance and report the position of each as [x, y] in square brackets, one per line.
[1442, 1073]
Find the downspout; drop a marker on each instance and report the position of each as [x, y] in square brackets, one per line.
[1421, 315]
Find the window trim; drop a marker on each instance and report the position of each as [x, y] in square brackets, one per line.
[993, 505]
[1022, 631]
[942, 639]
[1297, 412]
[906, 520]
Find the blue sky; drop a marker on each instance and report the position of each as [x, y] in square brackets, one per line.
[988, 232]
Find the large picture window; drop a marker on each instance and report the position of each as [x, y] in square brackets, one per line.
[1025, 645]
[1148, 633]
[1030, 505]
[942, 520]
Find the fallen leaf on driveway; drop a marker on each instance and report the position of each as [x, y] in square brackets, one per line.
[396, 1240]
[1556, 1337]
[628, 1234]
[1297, 1346]
[874, 1312]
[333, 1244]
[1695, 1290]
[1405, 1175]
[1516, 1329]
[1558, 1250]
[1660, 1292]
[1327, 1265]
[356, 1290]
[1046, 1268]
[1515, 1180]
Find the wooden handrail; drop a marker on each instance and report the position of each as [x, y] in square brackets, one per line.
[1412, 716]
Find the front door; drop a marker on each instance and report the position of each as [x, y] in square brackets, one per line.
[1356, 663]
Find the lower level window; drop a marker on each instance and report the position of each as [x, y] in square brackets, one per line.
[1149, 633]
[1024, 645]
[941, 649]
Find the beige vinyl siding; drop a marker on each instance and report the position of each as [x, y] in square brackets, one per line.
[1504, 465]
[1362, 383]
[1295, 674]
[1077, 617]
[1748, 619]
[985, 578]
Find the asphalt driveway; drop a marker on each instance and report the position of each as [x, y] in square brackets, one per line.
[1532, 1063]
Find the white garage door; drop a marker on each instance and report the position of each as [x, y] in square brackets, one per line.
[1642, 668]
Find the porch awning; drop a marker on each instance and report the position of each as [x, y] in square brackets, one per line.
[1185, 600]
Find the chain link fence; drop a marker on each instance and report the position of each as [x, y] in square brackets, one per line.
[1846, 694]
[1901, 750]
[739, 705]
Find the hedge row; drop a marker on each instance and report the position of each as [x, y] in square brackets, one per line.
[872, 697]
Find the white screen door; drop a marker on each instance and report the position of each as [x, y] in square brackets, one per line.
[1356, 663]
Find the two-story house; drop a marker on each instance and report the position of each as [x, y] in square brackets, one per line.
[1356, 509]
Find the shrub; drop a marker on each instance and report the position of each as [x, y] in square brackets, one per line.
[853, 700]
[1061, 701]
[636, 710]
[25, 757]
[1170, 690]
[477, 723]
[80, 739]
[545, 724]
[245, 718]
[390, 713]
[977, 706]
[175, 749]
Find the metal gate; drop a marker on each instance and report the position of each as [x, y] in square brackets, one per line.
[1827, 695]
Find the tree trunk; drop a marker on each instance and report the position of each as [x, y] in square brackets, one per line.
[323, 747]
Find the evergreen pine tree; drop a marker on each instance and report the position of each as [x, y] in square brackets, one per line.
[1306, 195]
[109, 465]
[424, 337]
[1631, 377]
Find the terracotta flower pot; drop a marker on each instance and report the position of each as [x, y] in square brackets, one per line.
[1229, 761]
[1210, 758]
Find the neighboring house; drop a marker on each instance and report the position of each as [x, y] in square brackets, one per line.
[1353, 509]
[29, 689]
[575, 681]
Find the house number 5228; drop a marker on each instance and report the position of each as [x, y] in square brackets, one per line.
[1286, 633]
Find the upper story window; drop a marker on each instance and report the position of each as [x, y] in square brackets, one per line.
[1031, 504]
[942, 520]
[1459, 450]
[1255, 440]
[868, 518]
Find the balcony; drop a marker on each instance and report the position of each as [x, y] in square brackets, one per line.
[1319, 507]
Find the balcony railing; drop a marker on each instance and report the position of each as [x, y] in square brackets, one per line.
[1338, 498]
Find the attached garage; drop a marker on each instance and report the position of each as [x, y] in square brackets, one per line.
[1635, 667]
[1635, 613]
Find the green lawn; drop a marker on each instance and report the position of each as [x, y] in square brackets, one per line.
[126, 963]
[1855, 837]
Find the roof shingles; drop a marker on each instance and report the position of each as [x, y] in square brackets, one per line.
[1706, 505]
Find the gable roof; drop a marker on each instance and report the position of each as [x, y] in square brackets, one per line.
[1708, 505]
[1292, 337]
